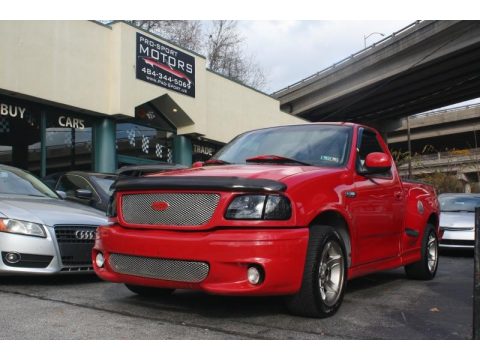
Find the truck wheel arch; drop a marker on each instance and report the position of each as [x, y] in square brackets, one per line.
[433, 219]
[337, 221]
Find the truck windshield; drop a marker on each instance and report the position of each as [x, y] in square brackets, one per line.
[459, 203]
[319, 145]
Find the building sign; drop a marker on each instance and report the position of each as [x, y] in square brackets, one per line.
[165, 66]
[71, 122]
[12, 111]
[202, 149]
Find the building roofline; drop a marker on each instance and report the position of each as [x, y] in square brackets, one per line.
[113, 22]
[101, 24]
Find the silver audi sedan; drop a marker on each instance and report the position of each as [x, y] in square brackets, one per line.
[40, 233]
[457, 219]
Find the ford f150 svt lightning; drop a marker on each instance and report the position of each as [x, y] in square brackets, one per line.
[292, 210]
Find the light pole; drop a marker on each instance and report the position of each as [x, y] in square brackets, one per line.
[365, 37]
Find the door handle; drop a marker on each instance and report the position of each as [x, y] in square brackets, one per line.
[398, 195]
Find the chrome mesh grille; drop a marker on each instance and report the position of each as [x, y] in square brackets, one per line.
[184, 209]
[163, 269]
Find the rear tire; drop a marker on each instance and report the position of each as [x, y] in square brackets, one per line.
[324, 276]
[426, 268]
[149, 291]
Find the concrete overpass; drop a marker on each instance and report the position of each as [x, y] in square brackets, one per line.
[446, 141]
[441, 130]
[426, 65]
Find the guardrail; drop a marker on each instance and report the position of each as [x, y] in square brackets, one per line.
[443, 111]
[354, 55]
[453, 157]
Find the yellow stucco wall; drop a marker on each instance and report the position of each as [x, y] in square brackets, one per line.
[84, 65]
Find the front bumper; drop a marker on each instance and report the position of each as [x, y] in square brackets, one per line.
[458, 239]
[39, 256]
[228, 253]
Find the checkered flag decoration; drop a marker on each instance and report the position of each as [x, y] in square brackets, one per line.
[131, 137]
[145, 144]
[158, 150]
[4, 126]
[169, 155]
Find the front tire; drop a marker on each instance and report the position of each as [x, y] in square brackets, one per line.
[426, 268]
[324, 276]
[149, 291]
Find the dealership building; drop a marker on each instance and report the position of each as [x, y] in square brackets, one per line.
[83, 95]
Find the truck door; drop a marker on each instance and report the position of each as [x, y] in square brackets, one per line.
[377, 207]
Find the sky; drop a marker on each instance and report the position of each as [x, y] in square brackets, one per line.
[289, 51]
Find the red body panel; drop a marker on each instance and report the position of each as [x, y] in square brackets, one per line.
[377, 218]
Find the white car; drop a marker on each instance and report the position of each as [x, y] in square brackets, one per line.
[457, 219]
[40, 233]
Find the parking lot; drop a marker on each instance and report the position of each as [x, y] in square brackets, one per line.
[380, 306]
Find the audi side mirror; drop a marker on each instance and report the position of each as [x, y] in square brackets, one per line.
[83, 194]
[62, 194]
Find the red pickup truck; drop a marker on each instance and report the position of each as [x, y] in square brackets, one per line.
[292, 210]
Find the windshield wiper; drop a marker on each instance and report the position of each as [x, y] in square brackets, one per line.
[216, 162]
[275, 159]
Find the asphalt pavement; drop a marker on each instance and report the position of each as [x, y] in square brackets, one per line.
[385, 305]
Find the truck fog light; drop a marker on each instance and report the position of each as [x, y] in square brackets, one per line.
[254, 275]
[100, 260]
[13, 258]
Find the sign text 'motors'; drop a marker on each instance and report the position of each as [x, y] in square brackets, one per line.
[165, 66]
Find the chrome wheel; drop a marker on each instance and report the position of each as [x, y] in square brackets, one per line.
[331, 273]
[432, 252]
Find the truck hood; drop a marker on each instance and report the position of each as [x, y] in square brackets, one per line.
[49, 211]
[270, 172]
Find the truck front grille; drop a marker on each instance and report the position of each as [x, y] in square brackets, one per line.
[180, 209]
[162, 269]
[75, 243]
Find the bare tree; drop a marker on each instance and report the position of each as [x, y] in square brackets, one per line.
[222, 44]
[225, 55]
[185, 33]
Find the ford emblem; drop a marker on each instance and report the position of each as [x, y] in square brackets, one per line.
[160, 205]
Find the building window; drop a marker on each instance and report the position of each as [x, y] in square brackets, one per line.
[69, 143]
[19, 135]
[143, 142]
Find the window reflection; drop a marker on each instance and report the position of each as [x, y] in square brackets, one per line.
[144, 142]
[69, 144]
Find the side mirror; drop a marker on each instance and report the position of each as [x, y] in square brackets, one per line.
[197, 164]
[83, 194]
[377, 163]
[62, 194]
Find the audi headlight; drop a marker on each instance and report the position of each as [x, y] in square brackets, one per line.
[259, 207]
[22, 227]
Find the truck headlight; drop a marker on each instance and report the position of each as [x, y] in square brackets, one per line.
[259, 207]
[22, 227]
